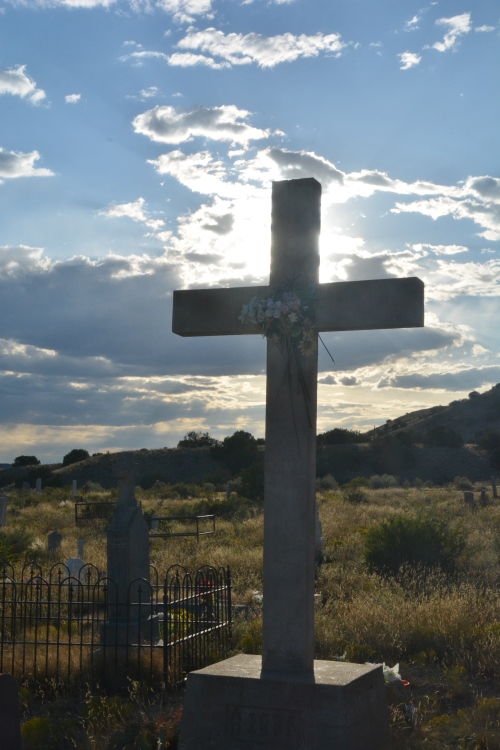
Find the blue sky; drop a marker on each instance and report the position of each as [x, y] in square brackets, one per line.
[138, 143]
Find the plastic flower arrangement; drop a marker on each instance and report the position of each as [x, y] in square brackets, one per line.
[286, 317]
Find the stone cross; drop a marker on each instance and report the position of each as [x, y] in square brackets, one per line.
[3, 509]
[291, 404]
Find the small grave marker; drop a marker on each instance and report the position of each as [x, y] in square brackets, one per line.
[484, 497]
[54, 541]
[81, 549]
[154, 522]
[38, 486]
[74, 492]
[469, 499]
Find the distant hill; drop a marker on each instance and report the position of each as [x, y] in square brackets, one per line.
[471, 417]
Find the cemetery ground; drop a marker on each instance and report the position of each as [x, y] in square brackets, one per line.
[441, 624]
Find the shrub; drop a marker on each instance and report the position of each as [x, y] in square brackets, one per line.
[74, 456]
[462, 483]
[490, 440]
[14, 545]
[328, 482]
[386, 480]
[252, 481]
[443, 437]
[355, 495]
[415, 541]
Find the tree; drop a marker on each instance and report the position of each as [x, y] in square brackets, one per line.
[443, 437]
[238, 451]
[340, 436]
[26, 461]
[77, 454]
[197, 440]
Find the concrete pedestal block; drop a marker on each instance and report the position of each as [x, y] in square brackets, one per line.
[229, 706]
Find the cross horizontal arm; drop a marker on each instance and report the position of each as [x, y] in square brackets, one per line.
[340, 306]
[365, 305]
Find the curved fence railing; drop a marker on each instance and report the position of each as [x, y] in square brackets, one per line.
[73, 628]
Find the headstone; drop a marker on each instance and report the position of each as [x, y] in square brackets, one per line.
[38, 486]
[26, 486]
[128, 566]
[494, 486]
[3, 509]
[75, 488]
[469, 499]
[155, 523]
[10, 714]
[484, 497]
[81, 549]
[74, 565]
[287, 700]
[54, 541]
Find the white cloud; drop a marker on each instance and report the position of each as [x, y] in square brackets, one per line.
[184, 11]
[134, 211]
[484, 28]
[412, 24]
[13, 164]
[409, 60]
[72, 98]
[457, 27]
[63, 3]
[451, 279]
[190, 59]
[442, 249]
[225, 123]
[150, 92]
[244, 49]
[15, 81]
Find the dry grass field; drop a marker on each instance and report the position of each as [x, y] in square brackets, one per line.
[441, 624]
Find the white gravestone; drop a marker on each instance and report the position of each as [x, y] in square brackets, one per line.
[38, 486]
[3, 510]
[286, 700]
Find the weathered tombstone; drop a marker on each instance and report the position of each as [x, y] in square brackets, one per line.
[10, 714]
[74, 565]
[494, 486]
[54, 541]
[75, 488]
[469, 499]
[155, 523]
[3, 509]
[286, 700]
[26, 486]
[484, 497]
[128, 567]
[81, 549]
[38, 486]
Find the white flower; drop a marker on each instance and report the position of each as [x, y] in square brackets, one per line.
[293, 317]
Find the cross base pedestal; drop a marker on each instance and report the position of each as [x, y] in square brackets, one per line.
[229, 706]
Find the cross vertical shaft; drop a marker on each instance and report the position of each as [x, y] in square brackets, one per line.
[290, 459]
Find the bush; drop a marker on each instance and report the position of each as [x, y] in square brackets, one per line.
[462, 483]
[386, 480]
[355, 495]
[252, 481]
[489, 441]
[443, 437]
[26, 461]
[415, 541]
[14, 545]
[74, 456]
[328, 482]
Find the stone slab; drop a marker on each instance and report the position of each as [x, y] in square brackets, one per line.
[228, 706]
[10, 717]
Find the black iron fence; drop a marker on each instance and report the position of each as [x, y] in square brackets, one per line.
[72, 628]
[94, 511]
[167, 526]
